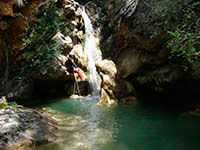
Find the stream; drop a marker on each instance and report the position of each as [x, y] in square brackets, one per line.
[85, 126]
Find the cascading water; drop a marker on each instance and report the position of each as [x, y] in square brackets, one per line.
[93, 54]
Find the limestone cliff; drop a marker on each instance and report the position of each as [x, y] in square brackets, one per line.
[136, 40]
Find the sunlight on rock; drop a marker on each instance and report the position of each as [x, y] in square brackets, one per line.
[75, 96]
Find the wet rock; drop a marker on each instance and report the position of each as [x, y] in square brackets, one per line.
[114, 88]
[75, 96]
[105, 99]
[107, 71]
[25, 126]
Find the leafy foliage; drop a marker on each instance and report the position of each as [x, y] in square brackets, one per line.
[39, 46]
[181, 20]
[185, 45]
[3, 105]
[100, 3]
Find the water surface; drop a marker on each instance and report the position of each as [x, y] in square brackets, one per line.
[85, 126]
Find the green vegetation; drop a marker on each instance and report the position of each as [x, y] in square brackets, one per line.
[100, 3]
[182, 23]
[3, 105]
[39, 46]
[185, 39]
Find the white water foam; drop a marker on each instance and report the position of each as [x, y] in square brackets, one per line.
[94, 54]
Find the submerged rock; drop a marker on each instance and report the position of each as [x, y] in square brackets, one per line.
[24, 126]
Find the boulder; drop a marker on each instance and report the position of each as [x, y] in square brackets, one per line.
[107, 67]
[113, 88]
[107, 72]
[105, 99]
[23, 126]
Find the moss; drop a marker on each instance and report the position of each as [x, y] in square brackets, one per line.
[5, 104]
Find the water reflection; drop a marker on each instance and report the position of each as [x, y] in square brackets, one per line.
[82, 126]
[85, 126]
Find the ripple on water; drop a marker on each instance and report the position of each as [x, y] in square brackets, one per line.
[85, 126]
[76, 133]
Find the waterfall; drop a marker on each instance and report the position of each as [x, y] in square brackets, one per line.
[19, 3]
[93, 54]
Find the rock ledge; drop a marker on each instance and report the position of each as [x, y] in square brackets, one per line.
[23, 126]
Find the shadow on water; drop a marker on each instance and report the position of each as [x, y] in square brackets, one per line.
[85, 126]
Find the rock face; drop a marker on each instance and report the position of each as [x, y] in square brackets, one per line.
[52, 79]
[113, 89]
[107, 71]
[136, 42]
[6, 7]
[133, 38]
[23, 126]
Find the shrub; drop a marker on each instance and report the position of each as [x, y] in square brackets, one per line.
[100, 3]
[39, 46]
[184, 43]
[3, 105]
